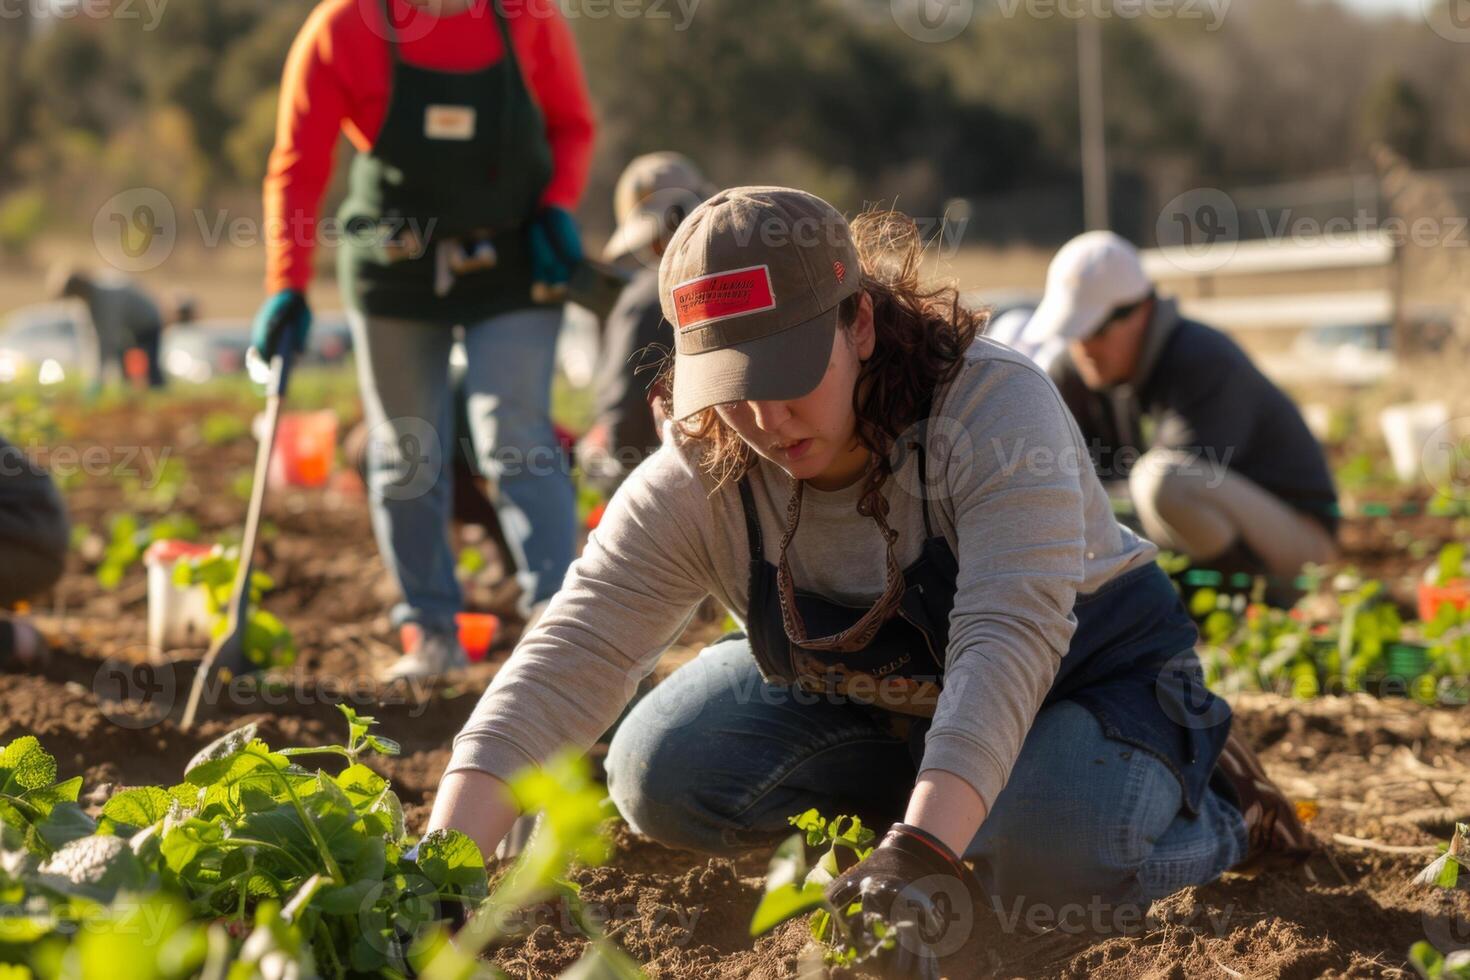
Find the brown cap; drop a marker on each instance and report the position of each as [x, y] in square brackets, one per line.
[655, 192]
[751, 282]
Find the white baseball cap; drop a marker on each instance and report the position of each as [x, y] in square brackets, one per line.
[1090, 277]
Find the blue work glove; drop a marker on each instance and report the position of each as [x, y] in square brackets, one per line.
[283, 315]
[556, 247]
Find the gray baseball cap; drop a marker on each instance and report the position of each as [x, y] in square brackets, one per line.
[751, 282]
[655, 192]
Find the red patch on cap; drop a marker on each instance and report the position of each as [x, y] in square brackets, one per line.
[840, 271]
[721, 295]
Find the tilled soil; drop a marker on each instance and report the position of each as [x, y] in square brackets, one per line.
[1387, 772]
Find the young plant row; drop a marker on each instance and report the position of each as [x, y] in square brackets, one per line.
[254, 865]
[1344, 636]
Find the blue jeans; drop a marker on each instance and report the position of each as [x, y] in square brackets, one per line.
[403, 373]
[714, 759]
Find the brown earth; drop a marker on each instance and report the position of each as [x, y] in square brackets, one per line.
[1384, 771]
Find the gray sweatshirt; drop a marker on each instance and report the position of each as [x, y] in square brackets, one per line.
[1011, 488]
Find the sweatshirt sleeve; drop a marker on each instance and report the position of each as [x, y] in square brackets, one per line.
[558, 85]
[309, 116]
[1014, 479]
[625, 600]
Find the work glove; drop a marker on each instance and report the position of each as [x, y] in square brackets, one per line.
[556, 248]
[919, 889]
[284, 315]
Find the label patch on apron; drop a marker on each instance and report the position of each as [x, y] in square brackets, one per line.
[449, 122]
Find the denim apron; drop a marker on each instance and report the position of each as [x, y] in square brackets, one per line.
[1131, 661]
[460, 154]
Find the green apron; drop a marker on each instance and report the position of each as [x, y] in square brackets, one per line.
[460, 154]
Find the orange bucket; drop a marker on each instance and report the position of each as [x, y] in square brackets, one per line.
[1456, 593]
[305, 452]
[135, 365]
[476, 633]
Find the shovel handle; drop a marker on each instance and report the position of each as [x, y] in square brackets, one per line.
[239, 608]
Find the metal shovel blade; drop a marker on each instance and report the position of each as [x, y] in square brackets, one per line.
[228, 652]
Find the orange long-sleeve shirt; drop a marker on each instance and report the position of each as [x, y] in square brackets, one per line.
[337, 80]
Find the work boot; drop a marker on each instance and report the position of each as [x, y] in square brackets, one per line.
[426, 654]
[1277, 838]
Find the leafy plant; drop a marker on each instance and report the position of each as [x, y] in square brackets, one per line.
[793, 889]
[37, 812]
[573, 812]
[268, 643]
[128, 539]
[1433, 965]
[221, 428]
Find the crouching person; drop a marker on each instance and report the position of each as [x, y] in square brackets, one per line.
[34, 536]
[970, 653]
[1218, 461]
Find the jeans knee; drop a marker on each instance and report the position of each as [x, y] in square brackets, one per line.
[659, 802]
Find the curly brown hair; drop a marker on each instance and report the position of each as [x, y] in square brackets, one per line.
[922, 333]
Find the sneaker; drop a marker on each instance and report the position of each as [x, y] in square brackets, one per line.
[426, 655]
[1277, 837]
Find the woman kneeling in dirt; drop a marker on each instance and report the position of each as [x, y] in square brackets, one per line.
[943, 623]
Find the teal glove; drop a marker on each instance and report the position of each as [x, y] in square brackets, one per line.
[556, 247]
[283, 315]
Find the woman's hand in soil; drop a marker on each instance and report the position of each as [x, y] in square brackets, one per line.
[915, 888]
[476, 804]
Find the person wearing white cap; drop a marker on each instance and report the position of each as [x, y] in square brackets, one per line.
[1218, 461]
[653, 195]
[941, 622]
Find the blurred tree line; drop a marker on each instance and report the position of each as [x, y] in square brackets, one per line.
[826, 94]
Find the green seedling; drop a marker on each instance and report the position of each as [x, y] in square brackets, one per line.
[222, 428]
[793, 889]
[1434, 965]
[128, 539]
[573, 815]
[268, 643]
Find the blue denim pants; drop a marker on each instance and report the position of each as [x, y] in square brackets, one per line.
[408, 399]
[715, 759]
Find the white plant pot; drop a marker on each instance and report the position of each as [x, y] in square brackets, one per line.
[178, 616]
[1406, 429]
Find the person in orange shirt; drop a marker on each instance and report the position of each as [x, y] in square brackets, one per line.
[473, 132]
